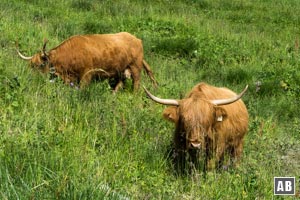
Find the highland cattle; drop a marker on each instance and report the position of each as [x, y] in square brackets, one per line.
[209, 119]
[82, 58]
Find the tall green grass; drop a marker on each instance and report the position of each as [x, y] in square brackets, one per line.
[57, 142]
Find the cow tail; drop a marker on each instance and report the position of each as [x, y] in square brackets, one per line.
[150, 73]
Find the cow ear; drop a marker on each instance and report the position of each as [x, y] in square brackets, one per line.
[170, 114]
[220, 114]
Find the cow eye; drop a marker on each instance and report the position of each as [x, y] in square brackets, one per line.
[44, 58]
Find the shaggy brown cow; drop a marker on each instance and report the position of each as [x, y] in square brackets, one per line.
[83, 57]
[212, 119]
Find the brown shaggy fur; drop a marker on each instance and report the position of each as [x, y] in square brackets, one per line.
[78, 58]
[196, 121]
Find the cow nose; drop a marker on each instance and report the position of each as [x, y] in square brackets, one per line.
[196, 145]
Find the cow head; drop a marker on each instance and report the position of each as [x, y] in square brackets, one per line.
[194, 117]
[38, 61]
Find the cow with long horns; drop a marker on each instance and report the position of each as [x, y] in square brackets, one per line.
[210, 119]
[81, 58]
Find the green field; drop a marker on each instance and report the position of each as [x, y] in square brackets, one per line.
[57, 142]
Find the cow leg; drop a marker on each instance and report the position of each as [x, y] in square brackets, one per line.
[237, 152]
[208, 165]
[121, 80]
[136, 76]
[85, 80]
[118, 86]
[220, 154]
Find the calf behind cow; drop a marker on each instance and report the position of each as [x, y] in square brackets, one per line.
[81, 58]
[211, 119]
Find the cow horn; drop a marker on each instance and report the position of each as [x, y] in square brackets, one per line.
[44, 47]
[22, 56]
[220, 102]
[170, 102]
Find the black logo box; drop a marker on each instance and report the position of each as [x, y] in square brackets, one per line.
[284, 185]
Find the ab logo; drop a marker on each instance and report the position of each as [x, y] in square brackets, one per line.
[284, 185]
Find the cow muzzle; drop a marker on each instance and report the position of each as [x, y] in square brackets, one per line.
[195, 145]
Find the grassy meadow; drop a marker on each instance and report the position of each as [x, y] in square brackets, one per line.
[57, 142]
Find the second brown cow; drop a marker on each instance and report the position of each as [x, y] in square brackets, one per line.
[211, 119]
[83, 57]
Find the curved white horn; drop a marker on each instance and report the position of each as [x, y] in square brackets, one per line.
[24, 57]
[220, 102]
[170, 102]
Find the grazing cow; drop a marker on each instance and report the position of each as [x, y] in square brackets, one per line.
[210, 119]
[83, 57]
